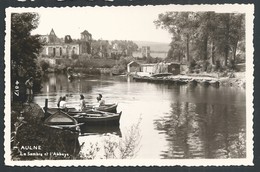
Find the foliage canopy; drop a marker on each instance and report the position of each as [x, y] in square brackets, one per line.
[25, 47]
[205, 36]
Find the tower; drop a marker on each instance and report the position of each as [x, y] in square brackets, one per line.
[86, 39]
[52, 36]
[85, 36]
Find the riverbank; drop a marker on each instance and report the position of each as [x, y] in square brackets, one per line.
[32, 140]
[235, 79]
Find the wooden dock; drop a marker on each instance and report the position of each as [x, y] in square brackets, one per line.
[180, 80]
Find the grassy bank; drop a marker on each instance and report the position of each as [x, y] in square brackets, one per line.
[32, 140]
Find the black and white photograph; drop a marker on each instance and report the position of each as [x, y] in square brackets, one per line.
[162, 85]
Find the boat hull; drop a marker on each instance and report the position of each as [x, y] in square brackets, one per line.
[94, 117]
[108, 120]
[112, 108]
[61, 120]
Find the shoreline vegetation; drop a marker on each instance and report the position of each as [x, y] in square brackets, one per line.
[230, 76]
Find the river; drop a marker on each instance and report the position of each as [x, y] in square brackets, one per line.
[172, 121]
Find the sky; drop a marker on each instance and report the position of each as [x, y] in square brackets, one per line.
[114, 23]
[107, 23]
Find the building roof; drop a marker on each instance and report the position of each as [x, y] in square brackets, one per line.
[85, 32]
[153, 64]
[132, 62]
[52, 32]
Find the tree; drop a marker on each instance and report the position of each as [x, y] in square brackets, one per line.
[44, 65]
[101, 48]
[95, 48]
[181, 25]
[24, 47]
[204, 35]
[205, 26]
[124, 48]
[237, 32]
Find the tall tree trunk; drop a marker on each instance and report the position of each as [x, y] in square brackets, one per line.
[205, 47]
[179, 57]
[213, 52]
[188, 49]
[237, 38]
[235, 50]
[226, 50]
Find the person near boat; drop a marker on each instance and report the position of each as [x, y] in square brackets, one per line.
[63, 103]
[58, 104]
[29, 89]
[82, 102]
[101, 102]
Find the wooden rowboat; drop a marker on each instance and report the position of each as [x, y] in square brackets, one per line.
[105, 108]
[94, 117]
[161, 74]
[61, 120]
[112, 108]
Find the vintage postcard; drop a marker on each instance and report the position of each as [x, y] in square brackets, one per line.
[162, 85]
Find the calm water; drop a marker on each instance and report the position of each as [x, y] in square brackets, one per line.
[176, 121]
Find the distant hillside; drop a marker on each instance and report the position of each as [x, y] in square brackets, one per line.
[155, 46]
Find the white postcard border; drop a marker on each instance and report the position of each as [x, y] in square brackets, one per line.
[248, 9]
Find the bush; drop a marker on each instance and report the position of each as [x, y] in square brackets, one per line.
[65, 56]
[125, 60]
[60, 68]
[232, 64]
[205, 65]
[209, 68]
[119, 69]
[192, 65]
[75, 56]
[44, 65]
[218, 65]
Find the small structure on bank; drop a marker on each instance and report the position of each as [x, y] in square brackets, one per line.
[155, 68]
[174, 68]
[133, 67]
[161, 67]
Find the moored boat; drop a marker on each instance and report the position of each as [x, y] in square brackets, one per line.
[112, 108]
[94, 117]
[161, 75]
[61, 120]
[214, 83]
[105, 108]
[118, 74]
[204, 82]
[192, 82]
[141, 78]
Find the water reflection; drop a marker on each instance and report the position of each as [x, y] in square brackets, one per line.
[99, 130]
[60, 83]
[178, 121]
[203, 131]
